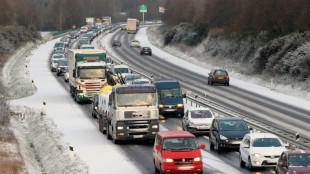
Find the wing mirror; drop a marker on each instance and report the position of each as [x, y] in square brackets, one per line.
[184, 95]
[157, 147]
[203, 146]
[246, 146]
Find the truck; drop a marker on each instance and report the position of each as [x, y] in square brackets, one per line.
[170, 97]
[90, 21]
[106, 20]
[128, 112]
[138, 24]
[131, 26]
[87, 69]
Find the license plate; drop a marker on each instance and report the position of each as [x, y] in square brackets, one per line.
[220, 77]
[138, 136]
[185, 168]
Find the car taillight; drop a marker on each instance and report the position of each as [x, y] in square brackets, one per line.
[213, 76]
[227, 77]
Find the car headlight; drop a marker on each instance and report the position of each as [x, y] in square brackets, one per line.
[155, 126]
[160, 106]
[198, 159]
[120, 127]
[222, 137]
[257, 155]
[167, 160]
[95, 107]
[180, 105]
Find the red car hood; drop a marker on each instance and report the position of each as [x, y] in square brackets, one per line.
[181, 153]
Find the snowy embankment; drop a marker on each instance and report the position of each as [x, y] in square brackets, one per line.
[216, 51]
[76, 125]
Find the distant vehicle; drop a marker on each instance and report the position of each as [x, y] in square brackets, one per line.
[124, 27]
[219, 76]
[54, 61]
[65, 40]
[61, 51]
[123, 69]
[177, 152]
[83, 29]
[59, 45]
[141, 82]
[86, 46]
[198, 120]
[66, 76]
[62, 67]
[90, 21]
[116, 43]
[82, 42]
[106, 20]
[227, 133]
[95, 109]
[74, 34]
[294, 162]
[260, 150]
[138, 24]
[146, 50]
[135, 43]
[130, 77]
[170, 97]
[131, 26]
[109, 62]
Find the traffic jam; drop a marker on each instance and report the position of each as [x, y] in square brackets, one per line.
[129, 107]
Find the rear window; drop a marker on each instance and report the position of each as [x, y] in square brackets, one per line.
[220, 73]
[146, 48]
[201, 114]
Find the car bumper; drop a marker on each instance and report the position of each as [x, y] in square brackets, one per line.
[171, 111]
[264, 162]
[195, 168]
[198, 129]
[146, 52]
[230, 144]
[224, 81]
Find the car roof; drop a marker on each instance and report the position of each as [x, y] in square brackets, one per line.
[120, 66]
[229, 118]
[175, 133]
[87, 45]
[298, 152]
[164, 80]
[262, 135]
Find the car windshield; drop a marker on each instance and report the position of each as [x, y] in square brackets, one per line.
[58, 56]
[140, 82]
[201, 114]
[170, 93]
[299, 160]
[55, 61]
[91, 73]
[63, 63]
[121, 70]
[59, 44]
[85, 47]
[180, 143]
[83, 41]
[136, 99]
[232, 125]
[220, 73]
[266, 142]
[132, 77]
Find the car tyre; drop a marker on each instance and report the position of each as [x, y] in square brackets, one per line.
[241, 162]
[217, 145]
[161, 171]
[250, 164]
[211, 83]
[100, 124]
[227, 84]
[156, 169]
[108, 132]
[211, 144]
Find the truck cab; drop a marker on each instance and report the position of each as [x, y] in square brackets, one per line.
[170, 98]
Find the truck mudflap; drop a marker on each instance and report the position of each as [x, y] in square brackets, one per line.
[136, 130]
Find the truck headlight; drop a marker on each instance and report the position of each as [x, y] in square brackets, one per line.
[120, 127]
[95, 107]
[180, 105]
[160, 106]
[80, 94]
[155, 126]
[167, 160]
[222, 137]
[198, 159]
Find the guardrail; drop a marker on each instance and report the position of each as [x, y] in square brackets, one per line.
[220, 110]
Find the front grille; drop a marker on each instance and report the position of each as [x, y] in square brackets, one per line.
[236, 138]
[171, 106]
[181, 159]
[137, 114]
[183, 164]
[138, 127]
[265, 163]
[272, 157]
[137, 133]
[138, 122]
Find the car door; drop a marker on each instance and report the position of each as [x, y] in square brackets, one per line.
[157, 153]
[185, 120]
[244, 148]
[214, 131]
[282, 160]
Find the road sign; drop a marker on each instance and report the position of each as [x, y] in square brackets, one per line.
[161, 10]
[143, 8]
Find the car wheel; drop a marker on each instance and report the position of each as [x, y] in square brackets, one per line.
[211, 83]
[156, 169]
[250, 164]
[211, 145]
[161, 171]
[100, 124]
[150, 54]
[108, 132]
[217, 146]
[227, 84]
[241, 162]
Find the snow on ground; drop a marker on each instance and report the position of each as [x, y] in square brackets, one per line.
[44, 33]
[144, 40]
[71, 119]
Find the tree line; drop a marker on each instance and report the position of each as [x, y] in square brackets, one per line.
[63, 14]
[282, 16]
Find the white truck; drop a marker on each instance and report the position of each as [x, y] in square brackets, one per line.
[87, 69]
[131, 25]
[128, 112]
[106, 20]
[90, 21]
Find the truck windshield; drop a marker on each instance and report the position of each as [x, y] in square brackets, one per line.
[180, 143]
[91, 73]
[170, 93]
[136, 99]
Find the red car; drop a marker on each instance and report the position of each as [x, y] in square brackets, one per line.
[116, 43]
[294, 162]
[146, 50]
[177, 152]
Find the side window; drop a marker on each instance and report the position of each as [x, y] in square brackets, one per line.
[283, 158]
[214, 125]
[186, 115]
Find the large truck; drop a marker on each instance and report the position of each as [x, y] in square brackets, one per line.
[128, 112]
[131, 25]
[87, 69]
[106, 20]
[90, 21]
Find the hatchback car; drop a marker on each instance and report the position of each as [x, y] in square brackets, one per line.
[130, 77]
[135, 43]
[82, 42]
[177, 152]
[62, 67]
[59, 45]
[227, 133]
[124, 27]
[219, 76]
[65, 40]
[116, 43]
[146, 50]
[123, 69]
[294, 162]
[260, 150]
[197, 120]
[74, 34]
[95, 103]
